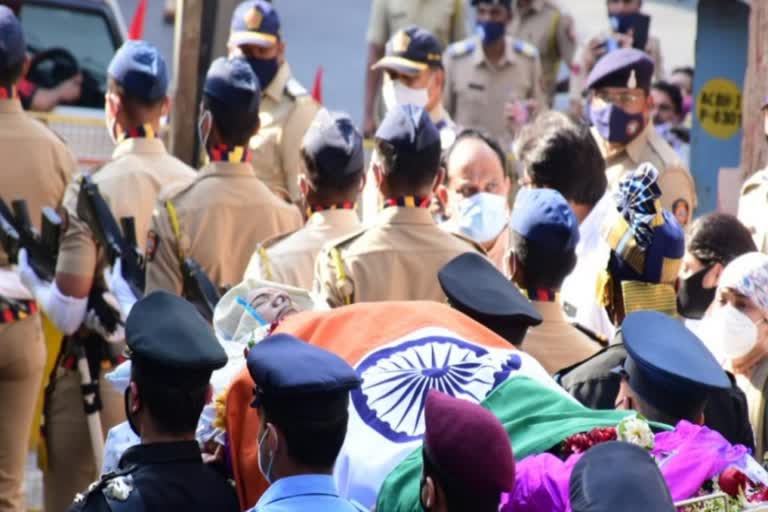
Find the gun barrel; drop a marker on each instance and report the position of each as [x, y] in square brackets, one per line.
[21, 212]
[128, 224]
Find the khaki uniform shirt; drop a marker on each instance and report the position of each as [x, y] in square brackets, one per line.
[285, 113]
[546, 27]
[555, 343]
[396, 258]
[581, 69]
[446, 19]
[753, 208]
[674, 179]
[37, 165]
[223, 215]
[140, 169]
[476, 91]
[290, 259]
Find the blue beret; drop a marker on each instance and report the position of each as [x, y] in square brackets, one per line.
[12, 46]
[626, 67]
[475, 287]
[284, 367]
[140, 69]
[543, 216]
[255, 22]
[166, 332]
[412, 50]
[234, 84]
[409, 130]
[667, 365]
[335, 145]
[618, 476]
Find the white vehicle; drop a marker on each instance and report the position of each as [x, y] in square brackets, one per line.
[64, 37]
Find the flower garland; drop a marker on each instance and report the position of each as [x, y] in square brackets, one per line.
[742, 493]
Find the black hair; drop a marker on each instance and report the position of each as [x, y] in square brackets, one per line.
[673, 91]
[174, 404]
[719, 238]
[489, 141]
[409, 171]
[235, 126]
[136, 109]
[686, 70]
[542, 268]
[311, 442]
[456, 499]
[328, 181]
[690, 411]
[10, 75]
[560, 153]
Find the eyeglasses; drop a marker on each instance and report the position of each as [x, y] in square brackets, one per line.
[621, 98]
[664, 107]
[625, 2]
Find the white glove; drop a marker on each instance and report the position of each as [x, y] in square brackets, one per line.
[93, 322]
[120, 288]
[66, 312]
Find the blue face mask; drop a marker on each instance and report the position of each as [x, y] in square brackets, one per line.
[264, 69]
[482, 216]
[490, 31]
[616, 125]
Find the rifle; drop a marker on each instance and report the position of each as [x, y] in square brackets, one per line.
[94, 211]
[9, 236]
[199, 289]
[42, 248]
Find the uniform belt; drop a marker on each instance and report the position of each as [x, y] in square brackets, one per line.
[12, 310]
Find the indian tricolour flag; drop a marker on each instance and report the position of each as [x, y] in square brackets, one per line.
[401, 350]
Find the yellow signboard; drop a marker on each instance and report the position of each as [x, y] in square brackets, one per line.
[718, 107]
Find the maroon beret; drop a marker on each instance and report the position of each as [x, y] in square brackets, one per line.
[468, 445]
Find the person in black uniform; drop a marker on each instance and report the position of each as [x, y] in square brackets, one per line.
[173, 353]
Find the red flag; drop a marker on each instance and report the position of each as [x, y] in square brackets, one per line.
[317, 88]
[137, 24]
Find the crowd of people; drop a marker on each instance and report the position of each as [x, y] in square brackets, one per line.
[536, 319]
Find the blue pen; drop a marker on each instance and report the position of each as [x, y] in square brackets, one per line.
[255, 314]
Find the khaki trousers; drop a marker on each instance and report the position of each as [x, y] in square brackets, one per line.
[22, 363]
[71, 468]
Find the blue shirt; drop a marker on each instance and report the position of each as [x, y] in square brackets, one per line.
[304, 492]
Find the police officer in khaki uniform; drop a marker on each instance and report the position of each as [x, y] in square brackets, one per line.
[287, 109]
[543, 235]
[37, 167]
[399, 255]
[140, 167]
[619, 108]
[445, 19]
[587, 56]
[333, 158]
[546, 26]
[414, 75]
[493, 82]
[222, 216]
[753, 202]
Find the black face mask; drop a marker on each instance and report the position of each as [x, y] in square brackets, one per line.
[692, 298]
[128, 413]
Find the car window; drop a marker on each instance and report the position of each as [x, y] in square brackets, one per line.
[86, 34]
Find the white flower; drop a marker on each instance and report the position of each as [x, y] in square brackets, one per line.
[635, 430]
[119, 488]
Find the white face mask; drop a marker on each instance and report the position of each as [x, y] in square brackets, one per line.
[396, 93]
[730, 330]
[266, 472]
[482, 216]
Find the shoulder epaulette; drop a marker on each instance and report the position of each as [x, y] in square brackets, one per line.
[462, 48]
[349, 237]
[270, 242]
[101, 485]
[294, 89]
[526, 48]
[754, 182]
